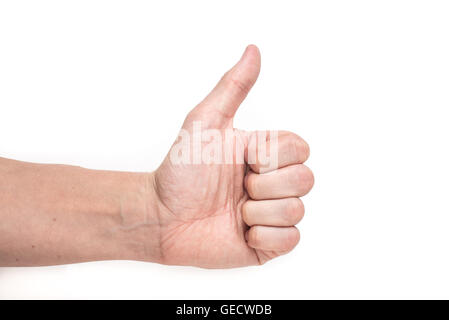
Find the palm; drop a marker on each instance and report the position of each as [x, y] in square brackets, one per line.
[203, 209]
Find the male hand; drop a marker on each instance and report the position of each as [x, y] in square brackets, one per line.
[223, 215]
[215, 202]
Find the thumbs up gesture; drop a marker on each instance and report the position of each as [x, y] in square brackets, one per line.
[226, 197]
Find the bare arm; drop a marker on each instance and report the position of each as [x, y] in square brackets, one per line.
[55, 214]
[219, 214]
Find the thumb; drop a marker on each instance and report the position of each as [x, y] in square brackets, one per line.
[219, 107]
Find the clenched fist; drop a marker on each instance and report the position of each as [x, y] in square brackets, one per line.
[224, 214]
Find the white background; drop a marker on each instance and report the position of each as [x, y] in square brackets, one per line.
[106, 84]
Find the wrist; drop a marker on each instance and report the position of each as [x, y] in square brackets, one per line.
[138, 225]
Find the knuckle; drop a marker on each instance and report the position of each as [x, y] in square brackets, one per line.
[233, 81]
[304, 179]
[308, 178]
[295, 211]
[298, 146]
[302, 148]
[295, 237]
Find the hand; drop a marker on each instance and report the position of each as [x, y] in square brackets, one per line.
[215, 202]
[221, 215]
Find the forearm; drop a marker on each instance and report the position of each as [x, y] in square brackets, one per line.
[56, 214]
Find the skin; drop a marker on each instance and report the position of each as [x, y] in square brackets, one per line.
[204, 215]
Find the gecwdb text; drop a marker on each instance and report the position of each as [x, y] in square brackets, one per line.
[226, 309]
